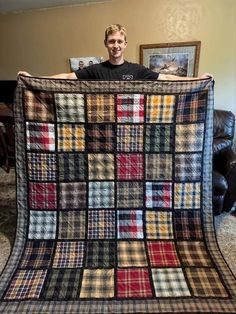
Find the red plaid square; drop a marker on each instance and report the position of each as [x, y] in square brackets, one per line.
[130, 108]
[163, 253]
[42, 195]
[133, 283]
[40, 136]
[130, 167]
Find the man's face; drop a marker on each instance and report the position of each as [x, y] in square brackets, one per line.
[115, 45]
[81, 64]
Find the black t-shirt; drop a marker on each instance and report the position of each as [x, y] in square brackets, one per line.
[123, 72]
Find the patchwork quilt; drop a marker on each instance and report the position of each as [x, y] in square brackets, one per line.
[114, 200]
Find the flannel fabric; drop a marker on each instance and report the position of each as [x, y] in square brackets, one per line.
[114, 200]
[130, 224]
[70, 107]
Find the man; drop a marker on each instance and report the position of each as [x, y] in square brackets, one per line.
[116, 67]
[81, 65]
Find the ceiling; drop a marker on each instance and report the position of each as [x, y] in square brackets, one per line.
[14, 6]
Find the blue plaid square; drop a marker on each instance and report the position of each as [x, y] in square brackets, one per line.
[187, 195]
[158, 194]
[101, 224]
[130, 224]
[69, 254]
[188, 167]
[42, 225]
[101, 194]
[191, 107]
[41, 167]
[130, 138]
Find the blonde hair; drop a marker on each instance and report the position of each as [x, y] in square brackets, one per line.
[113, 28]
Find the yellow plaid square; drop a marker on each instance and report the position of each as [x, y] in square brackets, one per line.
[71, 137]
[160, 108]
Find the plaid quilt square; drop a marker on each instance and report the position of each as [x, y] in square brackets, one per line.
[159, 225]
[129, 166]
[41, 166]
[40, 136]
[69, 107]
[158, 166]
[130, 138]
[100, 254]
[130, 108]
[42, 225]
[187, 195]
[70, 137]
[62, 284]
[189, 137]
[38, 106]
[205, 282]
[72, 224]
[131, 254]
[26, 284]
[158, 194]
[133, 283]
[42, 195]
[72, 195]
[37, 254]
[101, 224]
[160, 108]
[101, 167]
[130, 224]
[97, 283]
[101, 194]
[100, 108]
[129, 194]
[170, 282]
[188, 225]
[100, 137]
[191, 107]
[159, 138]
[188, 167]
[193, 253]
[69, 254]
[72, 166]
[163, 254]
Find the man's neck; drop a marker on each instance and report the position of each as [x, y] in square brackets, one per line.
[117, 61]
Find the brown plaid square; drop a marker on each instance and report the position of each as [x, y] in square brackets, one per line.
[205, 282]
[97, 283]
[72, 195]
[158, 166]
[130, 138]
[187, 224]
[193, 253]
[72, 225]
[100, 108]
[131, 254]
[69, 254]
[129, 194]
[38, 106]
[100, 137]
[101, 166]
[26, 284]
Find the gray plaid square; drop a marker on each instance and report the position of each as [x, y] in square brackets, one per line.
[70, 107]
[188, 167]
[159, 138]
[170, 282]
[72, 224]
[189, 137]
[72, 166]
[101, 194]
[158, 166]
[42, 225]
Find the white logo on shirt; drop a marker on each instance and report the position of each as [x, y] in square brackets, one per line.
[127, 77]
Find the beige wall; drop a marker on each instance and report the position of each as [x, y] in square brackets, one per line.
[41, 42]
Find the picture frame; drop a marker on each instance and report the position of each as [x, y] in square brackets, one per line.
[82, 62]
[178, 58]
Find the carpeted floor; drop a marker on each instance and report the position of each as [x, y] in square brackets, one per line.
[225, 224]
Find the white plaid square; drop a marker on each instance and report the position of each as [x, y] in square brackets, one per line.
[101, 194]
[42, 225]
[69, 107]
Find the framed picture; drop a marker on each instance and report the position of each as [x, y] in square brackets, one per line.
[181, 58]
[82, 62]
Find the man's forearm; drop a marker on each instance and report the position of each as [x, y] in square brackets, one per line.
[170, 77]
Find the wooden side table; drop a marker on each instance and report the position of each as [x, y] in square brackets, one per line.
[7, 141]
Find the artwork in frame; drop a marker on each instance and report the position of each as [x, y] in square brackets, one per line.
[83, 62]
[179, 58]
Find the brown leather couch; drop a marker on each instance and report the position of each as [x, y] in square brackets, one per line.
[224, 162]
